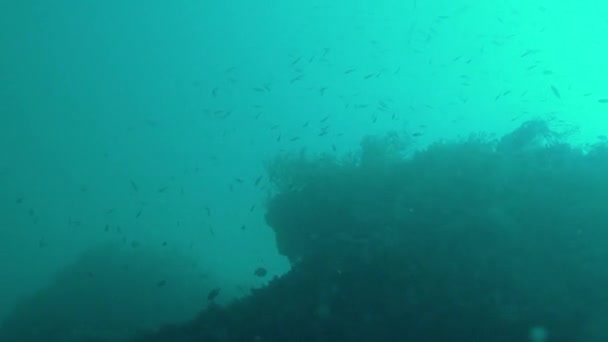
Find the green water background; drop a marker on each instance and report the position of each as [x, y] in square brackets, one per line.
[187, 99]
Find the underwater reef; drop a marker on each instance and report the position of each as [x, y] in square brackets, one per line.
[482, 239]
[110, 293]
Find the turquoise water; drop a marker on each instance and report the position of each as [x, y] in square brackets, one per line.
[147, 124]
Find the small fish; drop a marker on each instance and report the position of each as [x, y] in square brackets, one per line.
[138, 214]
[213, 294]
[295, 79]
[603, 100]
[260, 272]
[555, 92]
[296, 61]
[162, 190]
[161, 283]
[134, 186]
[529, 52]
[325, 52]
[258, 180]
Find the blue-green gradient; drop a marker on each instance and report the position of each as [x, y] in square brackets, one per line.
[186, 99]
